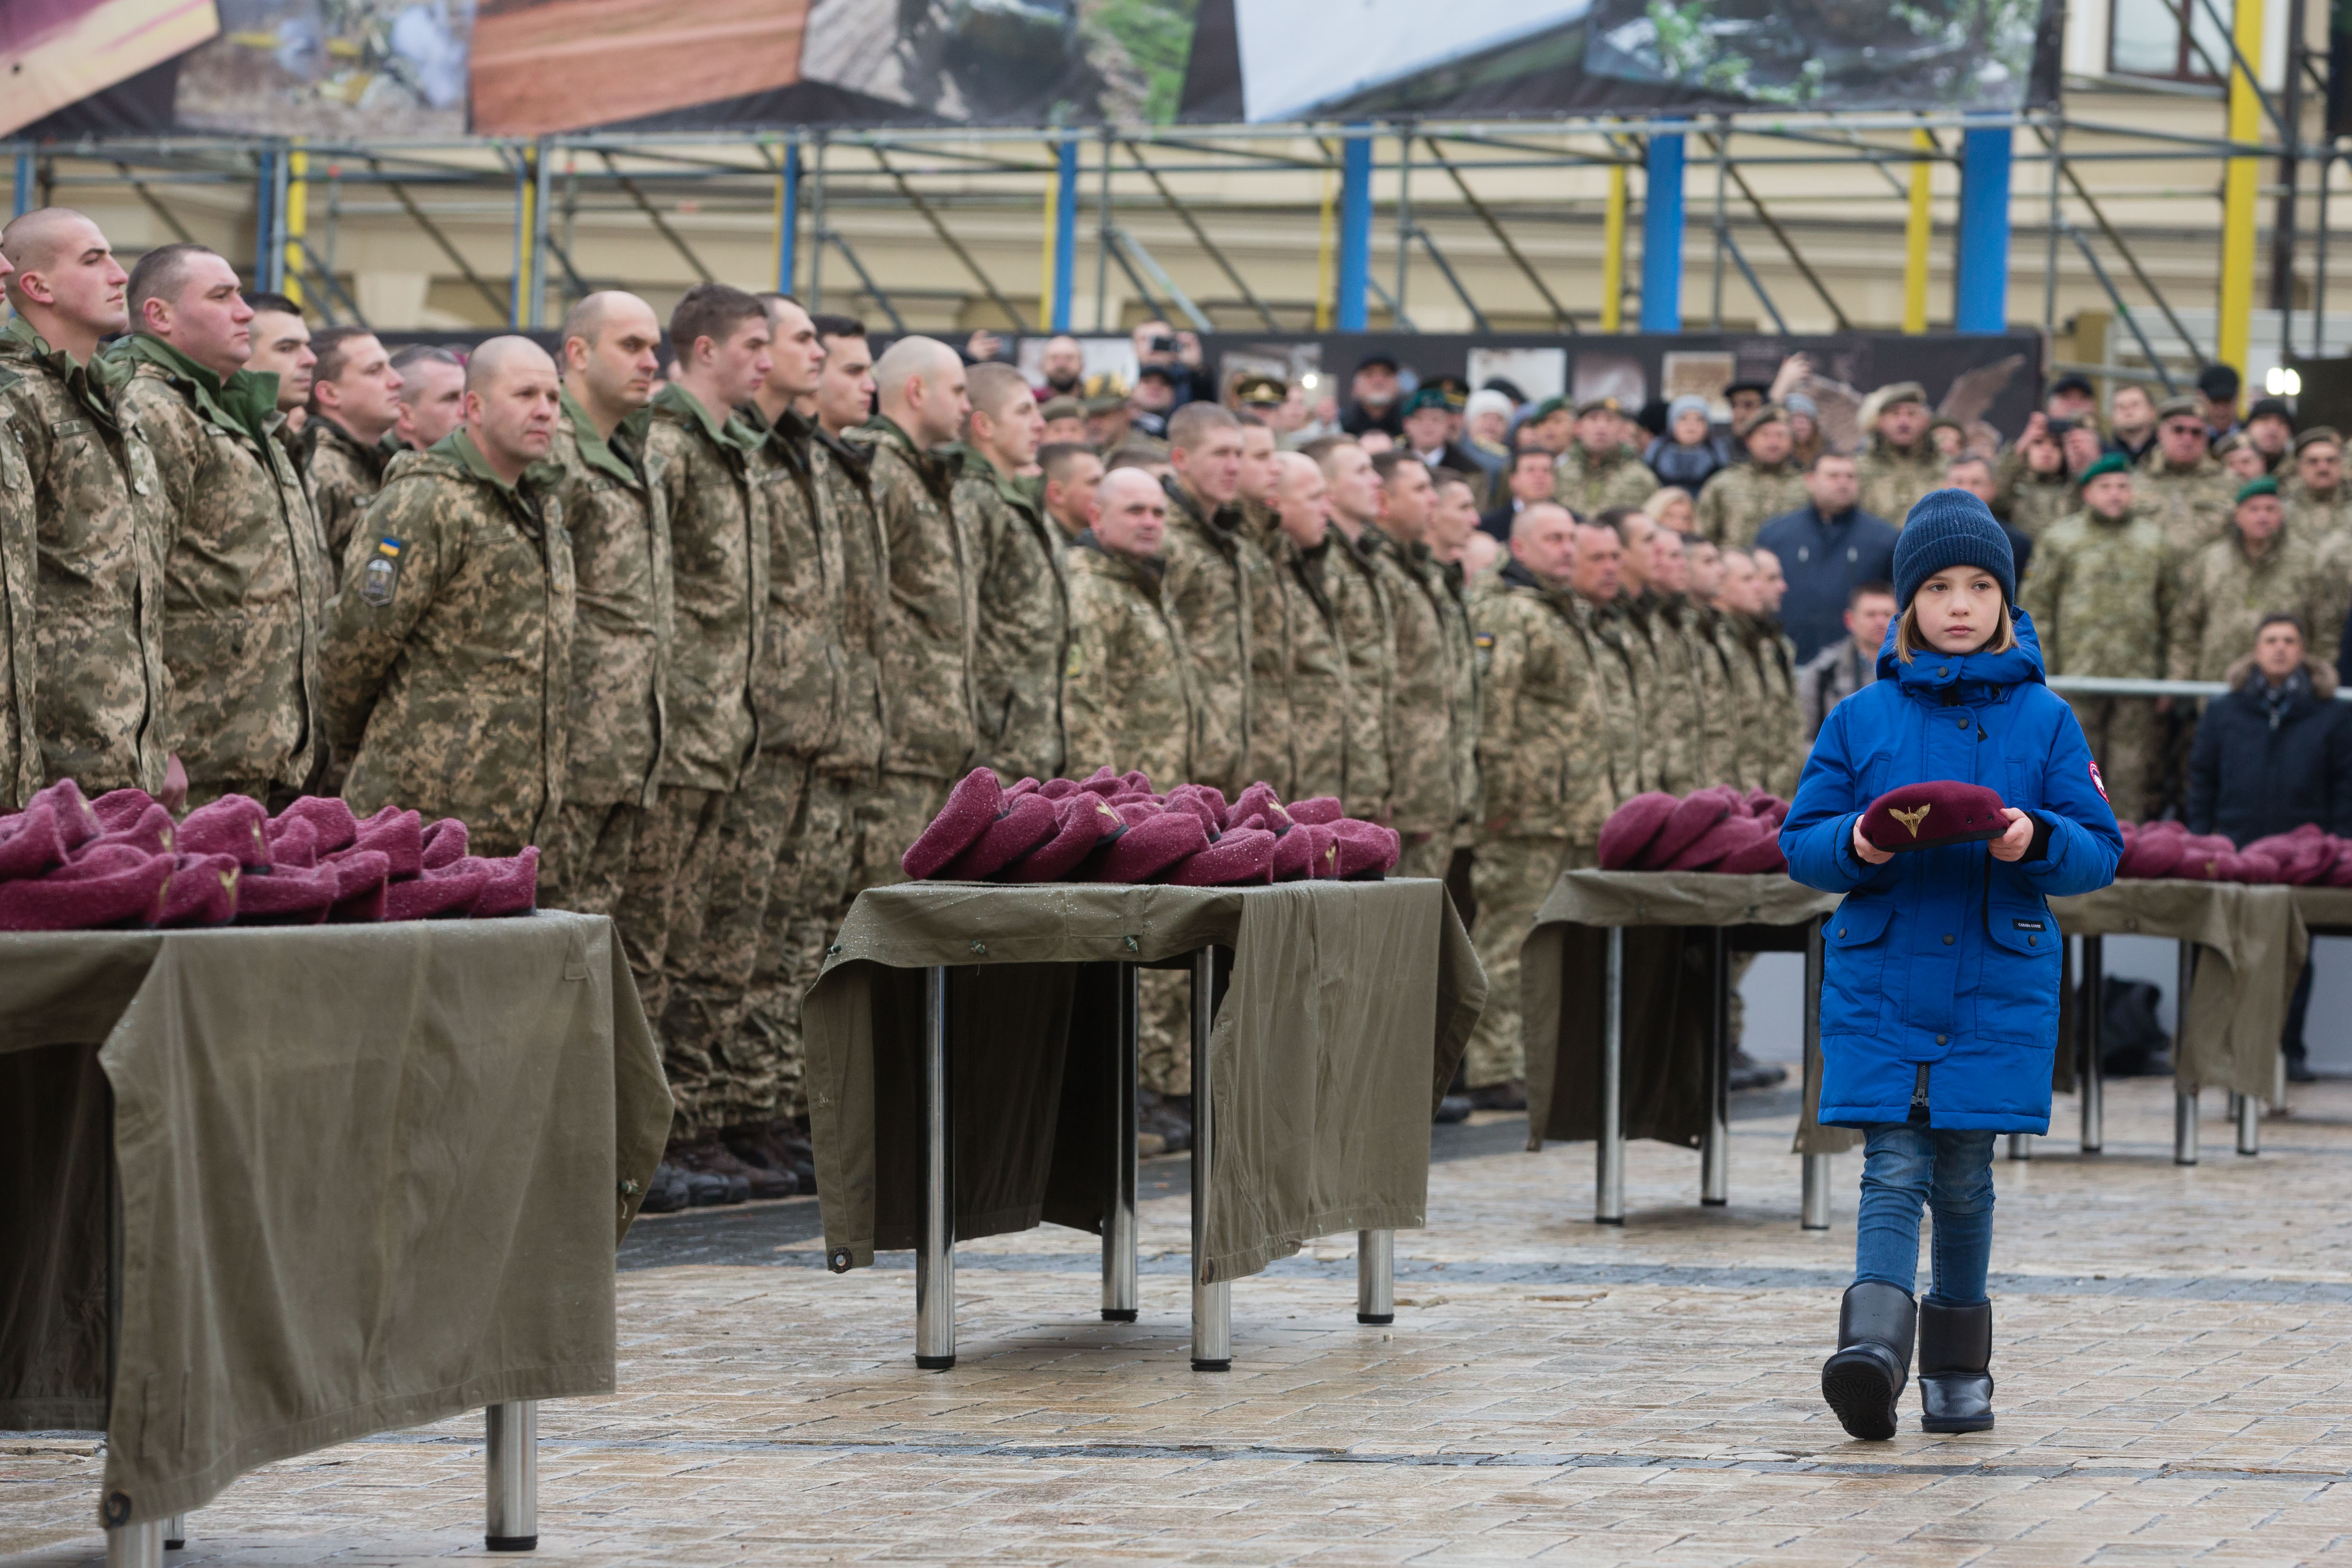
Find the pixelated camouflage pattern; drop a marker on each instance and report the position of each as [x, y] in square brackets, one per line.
[1736, 501]
[20, 741]
[2332, 560]
[1131, 691]
[1452, 598]
[2031, 502]
[718, 576]
[613, 513]
[448, 680]
[1424, 792]
[801, 679]
[1782, 730]
[95, 521]
[1687, 651]
[1748, 731]
[1272, 741]
[1673, 721]
[1616, 626]
[847, 507]
[2102, 595]
[1368, 633]
[241, 569]
[344, 474]
[1022, 638]
[1552, 751]
[2190, 505]
[1316, 694]
[934, 615]
[1588, 483]
[2225, 592]
[1209, 588]
[1894, 476]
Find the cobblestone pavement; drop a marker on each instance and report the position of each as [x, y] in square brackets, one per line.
[2171, 1346]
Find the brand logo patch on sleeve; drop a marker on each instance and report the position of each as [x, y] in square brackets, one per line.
[2098, 783]
[380, 578]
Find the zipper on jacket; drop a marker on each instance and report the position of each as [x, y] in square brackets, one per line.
[1919, 1097]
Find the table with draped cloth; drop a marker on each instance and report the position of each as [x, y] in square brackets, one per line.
[310, 1183]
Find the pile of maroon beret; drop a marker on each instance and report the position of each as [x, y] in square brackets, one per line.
[120, 862]
[2308, 857]
[1720, 829]
[1114, 828]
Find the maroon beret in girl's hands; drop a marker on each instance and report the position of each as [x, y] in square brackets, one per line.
[1931, 815]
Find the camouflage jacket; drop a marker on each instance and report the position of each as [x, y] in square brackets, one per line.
[1749, 727]
[611, 496]
[1545, 728]
[845, 506]
[799, 679]
[2317, 516]
[1782, 731]
[928, 637]
[2031, 502]
[1673, 723]
[1272, 755]
[1623, 627]
[94, 518]
[719, 575]
[1894, 476]
[344, 474]
[1366, 623]
[20, 738]
[1023, 641]
[1211, 586]
[2192, 505]
[1740, 499]
[241, 571]
[1128, 683]
[448, 652]
[2101, 595]
[1688, 649]
[2225, 592]
[1315, 672]
[1423, 792]
[1586, 483]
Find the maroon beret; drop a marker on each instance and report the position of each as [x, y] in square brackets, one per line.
[232, 826]
[30, 842]
[1029, 820]
[77, 823]
[1929, 815]
[287, 895]
[150, 832]
[446, 894]
[1734, 832]
[1758, 858]
[2340, 873]
[1137, 809]
[111, 888]
[511, 887]
[1259, 799]
[1321, 809]
[2151, 856]
[398, 836]
[294, 844]
[2201, 856]
[203, 891]
[976, 800]
[1136, 778]
[1021, 785]
[330, 817]
[442, 844]
[1632, 826]
[1757, 802]
[1205, 804]
[1055, 789]
[1243, 856]
[1103, 781]
[1148, 848]
[1294, 851]
[2248, 866]
[1081, 822]
[1699, 810]
[1367, 851]
[361, 878]
[118, 809]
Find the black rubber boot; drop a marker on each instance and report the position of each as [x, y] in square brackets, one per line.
[1862, 1383]
[1955, 1349]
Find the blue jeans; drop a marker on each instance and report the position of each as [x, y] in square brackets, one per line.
[1946, 1168]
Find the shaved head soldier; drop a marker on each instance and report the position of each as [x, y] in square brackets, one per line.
[1130, 688]
[1426, 793]
[241, 562]
[94, 514]
[432, 395]
[354, 406]
[1022, 587]
[449, 653]
[1367, 622]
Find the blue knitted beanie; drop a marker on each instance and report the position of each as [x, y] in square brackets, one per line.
[1947, 528]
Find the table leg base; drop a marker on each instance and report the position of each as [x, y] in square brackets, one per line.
[934, 1363]
[175, 1533]
[1609, 1219]
[511, 1542]
[1118, 1314]
[1713, 1203]
[1376, 1319]
[135, 1545]
[1224, 1366]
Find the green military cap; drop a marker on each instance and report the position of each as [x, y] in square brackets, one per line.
[2265, 486]
[1894, 392]
[1771, 412]
[1063, 407]
[1257, 388]
[2317, 432]
[2108, 463]
[2185, 405]
[1429, 397]
[1546, 408]
[1596, 405]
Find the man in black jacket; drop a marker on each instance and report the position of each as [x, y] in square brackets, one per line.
[1828, 548]
[2273, 754]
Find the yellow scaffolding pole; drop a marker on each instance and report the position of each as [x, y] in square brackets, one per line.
[298, 213]
[1326, 255]
[1917, 232]
[2240, 184]
[1613, 254]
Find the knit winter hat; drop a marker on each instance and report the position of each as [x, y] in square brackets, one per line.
[1949, 529]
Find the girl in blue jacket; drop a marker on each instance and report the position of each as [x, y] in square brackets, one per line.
[1940, 1001]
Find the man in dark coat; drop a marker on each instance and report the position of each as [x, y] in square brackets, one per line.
[1827, 548]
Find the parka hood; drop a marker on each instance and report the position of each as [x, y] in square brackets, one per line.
[1929, 673]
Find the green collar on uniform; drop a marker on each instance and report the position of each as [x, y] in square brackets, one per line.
[245, 402]
[458, 448]
[1016, 492]
[596, 451]
[733, 433]
[92, 384]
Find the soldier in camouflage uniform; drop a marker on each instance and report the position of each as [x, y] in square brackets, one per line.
[1129, 685]
[2261, 566]
[1776, 665]
[448, 657]
[2180, 484]
[20, 739]
[928, 633]
[1366, 621]
[1702, 569]
[2101, 597]
[354, 405]
[1899, 462]
[614, 516]
[1600, 469]
[1215, 576]
[1314, 671]
[241, 562]
[1021, 586]
[1636, 620]
[2032, 489]
[1548, 751]
[1683, 680]
[1425, 789]
[94, 514]
[2319, 507]
[1739, 500]
[1736, 604]
[1271, 754]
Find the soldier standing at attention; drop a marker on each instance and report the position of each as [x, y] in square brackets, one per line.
[1067, 492]
[1899, 462]
[281, 348]
[1130, 682]
[620, 566]
[1776, 667]
[1736, 599]
[1316, 677]
[241, 558]
[2180, 483]
[1739, 500]
[1270, 711]
[20, 741]
[1023, 586]
[1360, 602]
[1214, 576]
[1423, 792]
[2258, 567]
[447, 656]
[93, 513]
[1601, 469]
[354, 405]
[432, 395]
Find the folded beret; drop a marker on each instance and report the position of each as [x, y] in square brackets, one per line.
[1055, 789]
[293, 842]
[398, 836]
[1928, 815]
[1137, 809]
[1028, 821]
[1258, 800]
[1192, 797]
[1081, 822]
[1758, 858]
[1243, 855]
[1734, 832]
[361, 878]
[30, 842]
[1294, 852]
[150, 832]
[1367, 851]
[976, 800]
[231, 825]
[118, 809]
[287, 895]
[446, 894]
[1322, 809]
[203, 891]
[77, 823]
[2340, 875]
[330, 817]
[443, 843]
[1136, 778]
[2248, 866]
[2201, 857]
[1632, 826]
[1697, 812]
[511, 886]
[1022, 786]
[1757, 802]
[1148, 848]
[115, 887]
[1103, 781]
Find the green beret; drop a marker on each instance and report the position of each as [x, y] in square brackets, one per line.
[1429, 397]
[1546, 408]
[2108, 463]
[2265, 486]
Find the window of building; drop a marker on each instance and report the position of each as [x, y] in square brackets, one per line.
[2164, 38]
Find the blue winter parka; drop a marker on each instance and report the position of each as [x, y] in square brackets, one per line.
[1948, 958]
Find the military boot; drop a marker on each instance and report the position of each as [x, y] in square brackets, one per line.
[1955, 1351]
[1876, 1325]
